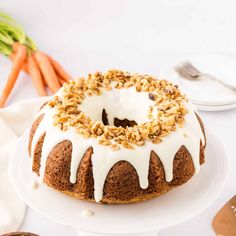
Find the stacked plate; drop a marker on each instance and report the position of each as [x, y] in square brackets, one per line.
[206, 94]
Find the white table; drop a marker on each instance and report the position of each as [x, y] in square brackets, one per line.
[220, 123]
[98, 35]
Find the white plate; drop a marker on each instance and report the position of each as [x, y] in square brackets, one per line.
[207, 92]
[215, 108]
[172, 208]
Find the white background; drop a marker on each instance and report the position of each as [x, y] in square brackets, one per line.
[140, 36]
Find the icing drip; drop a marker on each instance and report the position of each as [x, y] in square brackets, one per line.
[104, 158]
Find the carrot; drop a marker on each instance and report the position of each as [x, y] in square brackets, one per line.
[16, 46]
[15, 71]
[61, 81]
[47, 71]
[59, 70]
[36, 76]
[24, 67]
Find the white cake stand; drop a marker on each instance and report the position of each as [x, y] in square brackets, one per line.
[145, 218]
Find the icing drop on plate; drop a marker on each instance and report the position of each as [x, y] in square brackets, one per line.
[87, 213]
[34, 184]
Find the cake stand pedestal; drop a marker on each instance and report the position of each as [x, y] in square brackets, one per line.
[141, 219]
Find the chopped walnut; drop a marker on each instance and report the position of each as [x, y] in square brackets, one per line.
[168, 103]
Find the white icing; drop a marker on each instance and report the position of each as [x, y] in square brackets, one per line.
[87, 213]
[121, 103]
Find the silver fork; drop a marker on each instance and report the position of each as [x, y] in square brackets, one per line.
[190, 72]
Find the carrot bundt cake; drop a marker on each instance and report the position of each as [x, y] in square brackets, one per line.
[116, 137]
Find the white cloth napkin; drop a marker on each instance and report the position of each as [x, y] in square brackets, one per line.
[13, 121]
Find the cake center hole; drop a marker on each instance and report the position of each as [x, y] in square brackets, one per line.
[118, 107]
[117, 122]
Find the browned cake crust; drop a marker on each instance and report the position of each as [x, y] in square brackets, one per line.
[122, 183]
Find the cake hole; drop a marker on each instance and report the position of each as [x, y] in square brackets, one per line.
[117, 122]
[104, 117]
[124, 123]
[119, 107]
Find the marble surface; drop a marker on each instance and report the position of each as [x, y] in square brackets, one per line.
[139, 36]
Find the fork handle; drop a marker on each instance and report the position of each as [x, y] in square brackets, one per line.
[225, 84]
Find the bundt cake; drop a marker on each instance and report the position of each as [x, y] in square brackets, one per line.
[116, 137]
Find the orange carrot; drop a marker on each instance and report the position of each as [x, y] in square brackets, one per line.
[15, 71]
[59, 70]
[47, 71]
[24, 67]
[36, 76]
[61, 81]
[16, 46]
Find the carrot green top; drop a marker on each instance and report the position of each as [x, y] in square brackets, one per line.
[10, 32]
